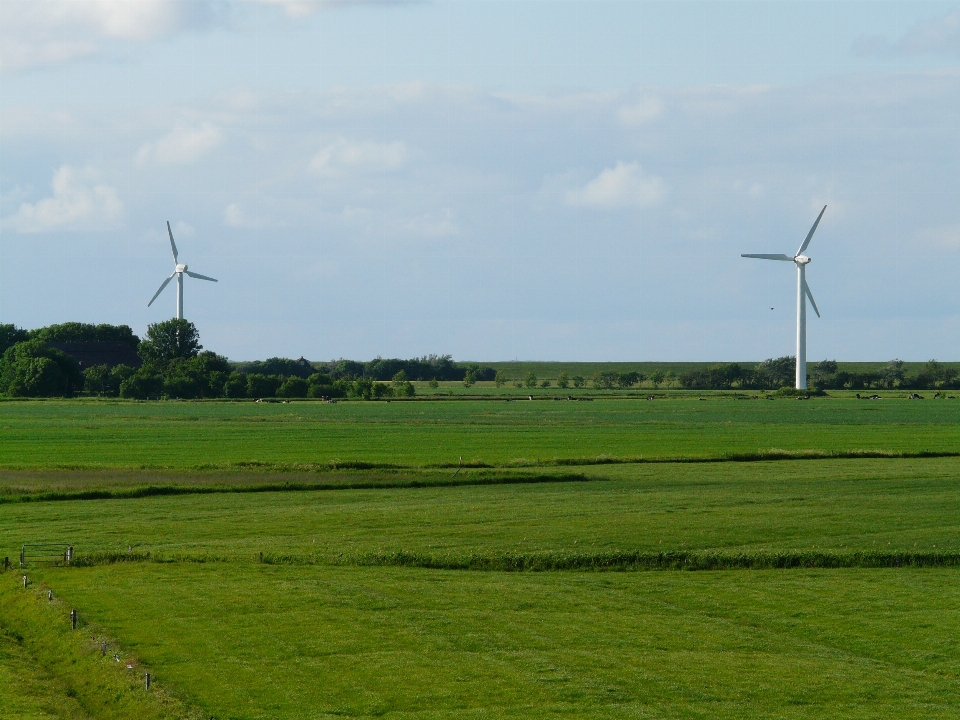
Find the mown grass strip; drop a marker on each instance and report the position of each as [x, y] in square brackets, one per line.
[611, 561]
[773, 454]
[398, 483]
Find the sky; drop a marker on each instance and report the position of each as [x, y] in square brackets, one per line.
[546, 180]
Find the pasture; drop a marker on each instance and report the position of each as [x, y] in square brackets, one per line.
[312, 560]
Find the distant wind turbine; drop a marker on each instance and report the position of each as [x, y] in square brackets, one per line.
[803, 292]
[179, 270]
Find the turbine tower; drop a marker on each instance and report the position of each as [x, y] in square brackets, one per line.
[180, 269]
[803, 292]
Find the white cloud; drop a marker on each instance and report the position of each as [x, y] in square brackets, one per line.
[432, 226]
[940, 35]
[56, 31]
[303, 8]
[79, 202]
[944, 237]
[236, 217]
[343, 157]
[646, 110]
[619, 186]
[183, 145]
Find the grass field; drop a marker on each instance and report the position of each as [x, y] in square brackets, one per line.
[394, 591]
[198, 435]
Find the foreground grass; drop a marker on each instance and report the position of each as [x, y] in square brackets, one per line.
[417, 435]
[260, 641]
[839, 506]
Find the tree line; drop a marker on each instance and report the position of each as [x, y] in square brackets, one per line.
[175, 365]
[775, 373]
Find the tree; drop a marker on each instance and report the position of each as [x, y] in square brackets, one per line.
[95, 379]
[143, 384]
[657, 377]
[563, 380]
[85, 332]
[777, 372]
[823, 370]
[293, 387]
[10, 335]
[530, 380]
[893, 373]
[401, 386]
[469, 378]
[170, 340]
[545, 383]
[434, 383]
[34, 369]
[627, 380]
[499, 379]
[579, 381]
[605, 380]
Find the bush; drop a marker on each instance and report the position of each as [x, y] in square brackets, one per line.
[380, 391]
[530, 380]
[23, 374]
[579, 381]
[563, 380]
[293, 387]
[605, 380]
[261, 386]
[469, 379]
[545, 384]
[143, 384]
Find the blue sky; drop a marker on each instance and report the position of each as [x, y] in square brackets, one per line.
[533, 180]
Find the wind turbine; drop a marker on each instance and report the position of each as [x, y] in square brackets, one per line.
[179, 270]
[800, 260]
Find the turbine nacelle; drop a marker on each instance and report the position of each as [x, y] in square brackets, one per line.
[181, 268]
[799, 260]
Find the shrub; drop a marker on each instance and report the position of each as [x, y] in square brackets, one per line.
[143, 384]
[261, 386]
[293, 387]
[579, 381]
[563, 380]
[545, 384]
[530, 380]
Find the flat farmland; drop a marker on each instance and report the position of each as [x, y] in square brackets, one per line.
[262, 575]
[208, 435]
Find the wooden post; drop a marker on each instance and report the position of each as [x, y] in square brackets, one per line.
[50, 595]
[69, 553]
[21, 556]
[24, 581]
[147, 680]
[6, 563]
[73, 618]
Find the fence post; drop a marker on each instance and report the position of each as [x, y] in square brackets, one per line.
[147, 681]
[6, 563]
[69, 553]
[50, 595]
[21, 556]
[24, 581]
[73, 618]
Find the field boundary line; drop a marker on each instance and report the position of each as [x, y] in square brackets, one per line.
[606, 561]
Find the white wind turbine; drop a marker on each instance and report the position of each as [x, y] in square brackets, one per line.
[800, 260]
[179, 270]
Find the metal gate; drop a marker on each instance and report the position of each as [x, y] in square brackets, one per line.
[51, 553]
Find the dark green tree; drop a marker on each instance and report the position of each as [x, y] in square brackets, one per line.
[170, 340]
[34, 369]
[10, 335]
[563, 380]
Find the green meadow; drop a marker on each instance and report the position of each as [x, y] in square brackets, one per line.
[675, 558]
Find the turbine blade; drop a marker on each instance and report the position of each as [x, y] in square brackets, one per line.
[198, 276]
[161, 288]
[764, 256]
[812, 230]
[806, 289]
[173, 245]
